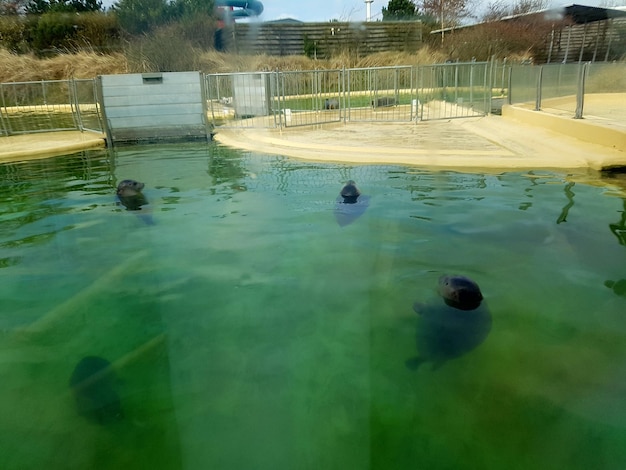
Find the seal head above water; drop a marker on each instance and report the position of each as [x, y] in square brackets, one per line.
[350, 193]
[460, 292]
[128, 188]
[454, 327]
[351, 204]
[130, 196]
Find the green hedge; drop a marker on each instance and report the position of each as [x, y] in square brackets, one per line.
[53, 31]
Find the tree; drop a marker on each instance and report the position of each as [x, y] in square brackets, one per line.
[446, 13]
[12, 7]
[398, 10]
[141, 16]
[499, 8]
[39, 7]
[191, 8]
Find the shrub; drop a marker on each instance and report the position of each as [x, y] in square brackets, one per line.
[161, 51]
[13, 33]
[54, 31]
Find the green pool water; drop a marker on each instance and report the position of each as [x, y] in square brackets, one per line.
[248, 330]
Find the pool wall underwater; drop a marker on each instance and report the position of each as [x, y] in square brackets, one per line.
[243, 326]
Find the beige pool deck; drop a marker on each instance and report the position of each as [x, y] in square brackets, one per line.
[47, 144]
[519, 139]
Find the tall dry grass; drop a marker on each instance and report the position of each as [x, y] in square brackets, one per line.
[215, 62]
[25, 68]
[152, 56]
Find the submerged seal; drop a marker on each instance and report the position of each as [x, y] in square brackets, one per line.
[93, 386]
[451, 328]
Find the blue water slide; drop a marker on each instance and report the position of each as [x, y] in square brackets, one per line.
[243, 8]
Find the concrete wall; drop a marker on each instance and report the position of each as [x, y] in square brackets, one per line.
[153, 106]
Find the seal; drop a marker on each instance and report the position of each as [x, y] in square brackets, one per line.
[350, 193]
[454, 327]
[93, 385]
[129, 188]
[130, 196]
[351, 204]
[460, 292]
[331, 103]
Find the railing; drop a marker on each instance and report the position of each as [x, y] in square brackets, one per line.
[571, 89]
[378, 94]
[298, 98]
[45, 106]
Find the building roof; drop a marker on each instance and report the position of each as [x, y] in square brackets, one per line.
[579, 14]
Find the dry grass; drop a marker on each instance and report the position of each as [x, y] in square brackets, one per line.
[21, 68]
[24, 68]
[215, 62]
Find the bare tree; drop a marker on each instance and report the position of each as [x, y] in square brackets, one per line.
[12, 7]
[446, 13]
[528, 6]
[498, 9]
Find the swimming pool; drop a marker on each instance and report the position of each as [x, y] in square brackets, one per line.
[248, 329]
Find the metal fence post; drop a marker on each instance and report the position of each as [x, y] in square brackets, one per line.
[538, 93]
[75, 105]
[281, 78]
[580, 91]
[5, 125]
[509, 99]
[342, 94]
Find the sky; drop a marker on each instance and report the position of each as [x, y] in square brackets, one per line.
[355, 10]
[351, 10]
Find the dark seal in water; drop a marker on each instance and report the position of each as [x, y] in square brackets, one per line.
[130, 196]
[93, 385]
[350, 193]
[129, 188]
[351, 204]
[454, 327]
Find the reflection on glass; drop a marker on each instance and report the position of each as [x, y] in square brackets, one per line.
[246, 329]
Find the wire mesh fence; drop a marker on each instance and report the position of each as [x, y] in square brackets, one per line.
[299, 98]
[46, 106]
[377, 94]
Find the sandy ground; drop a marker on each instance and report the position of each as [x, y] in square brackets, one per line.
[47, 144]
[490, 142]
[472, 143]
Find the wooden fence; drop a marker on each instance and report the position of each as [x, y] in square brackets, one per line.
[321, 40]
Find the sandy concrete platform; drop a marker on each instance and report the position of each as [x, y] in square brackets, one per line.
[46, 144]
[476, 143]
[519, 139]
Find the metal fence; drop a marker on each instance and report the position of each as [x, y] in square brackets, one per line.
[583, 89]
[51, 105]
[377, 94]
